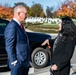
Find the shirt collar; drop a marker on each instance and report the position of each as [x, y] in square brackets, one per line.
[17, 21]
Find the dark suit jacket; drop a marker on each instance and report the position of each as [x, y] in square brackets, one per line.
[17, 43]
[62, 55]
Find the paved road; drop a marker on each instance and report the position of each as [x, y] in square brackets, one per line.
[44, 71]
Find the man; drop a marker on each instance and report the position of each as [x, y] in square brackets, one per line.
[17, 44]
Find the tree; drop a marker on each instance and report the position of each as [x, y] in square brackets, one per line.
[49, 11]
[68, 8]
[37, 10]
[72, 6]
[6, 12]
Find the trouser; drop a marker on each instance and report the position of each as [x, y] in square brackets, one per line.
[19, 69]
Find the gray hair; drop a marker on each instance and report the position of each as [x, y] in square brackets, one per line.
[18, 8]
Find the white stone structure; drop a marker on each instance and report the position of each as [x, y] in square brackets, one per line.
[41, 20]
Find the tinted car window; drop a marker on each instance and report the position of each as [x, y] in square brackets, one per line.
[3, 24]
[2, 27]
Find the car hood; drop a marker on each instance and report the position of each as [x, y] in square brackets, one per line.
[38, 36]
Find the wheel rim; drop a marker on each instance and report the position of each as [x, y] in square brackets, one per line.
[40, 58]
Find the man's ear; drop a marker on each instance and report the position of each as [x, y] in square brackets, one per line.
[18, 13]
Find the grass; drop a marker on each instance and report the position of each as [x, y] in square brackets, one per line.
[44, 27]
[75, 22]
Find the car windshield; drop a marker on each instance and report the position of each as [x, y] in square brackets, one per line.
[2, 27]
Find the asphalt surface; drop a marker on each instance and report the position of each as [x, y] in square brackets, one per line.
[44, 71]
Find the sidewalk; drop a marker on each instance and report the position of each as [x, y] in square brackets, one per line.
[28, 30]
[46, 71]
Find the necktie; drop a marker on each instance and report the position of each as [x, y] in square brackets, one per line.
[22, 27]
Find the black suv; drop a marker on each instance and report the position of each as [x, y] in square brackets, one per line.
[40, 55]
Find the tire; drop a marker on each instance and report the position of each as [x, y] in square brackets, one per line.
[39, 58]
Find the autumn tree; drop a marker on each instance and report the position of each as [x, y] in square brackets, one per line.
[6, 12]
[72, 5]
[68, 8]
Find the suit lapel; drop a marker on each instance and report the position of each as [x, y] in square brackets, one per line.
[19, 26]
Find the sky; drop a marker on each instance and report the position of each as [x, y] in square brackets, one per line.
[44, 3]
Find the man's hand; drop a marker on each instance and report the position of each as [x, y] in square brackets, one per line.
[14, 63]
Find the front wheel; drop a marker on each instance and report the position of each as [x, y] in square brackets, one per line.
[39, 57]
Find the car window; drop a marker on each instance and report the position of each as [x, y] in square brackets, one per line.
[2, 27]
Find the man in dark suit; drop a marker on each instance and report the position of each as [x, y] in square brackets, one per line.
[17, 43]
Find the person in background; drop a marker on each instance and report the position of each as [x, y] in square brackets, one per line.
[63, 47]
[17, 43]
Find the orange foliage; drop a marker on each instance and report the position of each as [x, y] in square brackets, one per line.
[68, 9]
[6, 13]
[64, 11]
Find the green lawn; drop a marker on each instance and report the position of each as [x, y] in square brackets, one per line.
[45, 27]
[75, 22]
